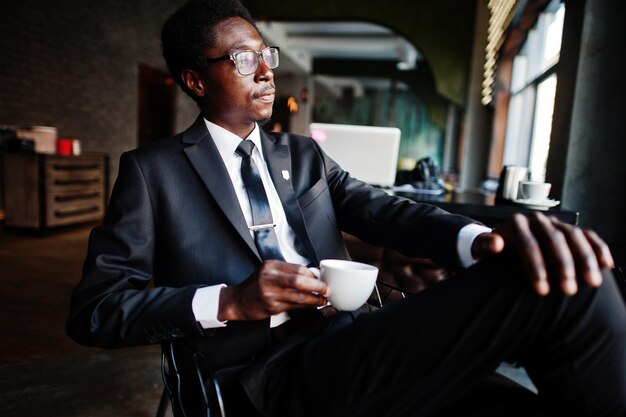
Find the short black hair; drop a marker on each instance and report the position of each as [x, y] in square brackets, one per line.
[187, 34]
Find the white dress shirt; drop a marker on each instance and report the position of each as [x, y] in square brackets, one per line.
[205, 302]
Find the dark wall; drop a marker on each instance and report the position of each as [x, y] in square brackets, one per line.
[73, 64]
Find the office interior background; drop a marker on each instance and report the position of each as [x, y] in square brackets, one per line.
[474, 84]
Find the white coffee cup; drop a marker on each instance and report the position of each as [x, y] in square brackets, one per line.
[351, 283]
[534, 190]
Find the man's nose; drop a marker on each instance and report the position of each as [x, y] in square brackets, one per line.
[263, 72]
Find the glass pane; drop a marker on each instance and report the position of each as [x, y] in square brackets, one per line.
[542, 127]
[541, 48]
[531, 104]
[554, 35]
[518, 76]
[519, 122]
[534, 43]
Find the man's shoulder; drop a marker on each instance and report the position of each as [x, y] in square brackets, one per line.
[293, 140]
[195, 133]
[157, 151]
[160, 145]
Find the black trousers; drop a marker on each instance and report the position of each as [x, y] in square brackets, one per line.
[434, 354]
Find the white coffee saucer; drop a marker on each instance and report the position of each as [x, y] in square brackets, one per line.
[537, 204]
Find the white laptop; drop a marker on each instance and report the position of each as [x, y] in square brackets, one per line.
[368, 153]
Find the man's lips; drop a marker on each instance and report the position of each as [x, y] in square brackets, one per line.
[265, 95]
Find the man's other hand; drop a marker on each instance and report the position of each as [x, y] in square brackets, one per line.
[275, 287]
[549, 247]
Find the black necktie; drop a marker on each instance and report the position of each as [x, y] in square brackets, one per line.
[262, 223]
[308, 320]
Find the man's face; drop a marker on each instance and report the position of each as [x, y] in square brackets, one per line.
[232, 100]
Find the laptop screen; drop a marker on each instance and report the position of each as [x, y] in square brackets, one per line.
[368, 153]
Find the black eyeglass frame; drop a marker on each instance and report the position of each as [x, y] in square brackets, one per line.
[232, 57]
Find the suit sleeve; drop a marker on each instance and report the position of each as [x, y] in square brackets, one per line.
[371, 214]
[114, 305]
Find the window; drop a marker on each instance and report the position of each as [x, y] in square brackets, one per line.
[533, 88]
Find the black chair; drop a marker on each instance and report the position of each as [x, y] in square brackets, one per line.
[211, 395]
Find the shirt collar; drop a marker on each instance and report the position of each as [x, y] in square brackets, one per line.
[227, 141]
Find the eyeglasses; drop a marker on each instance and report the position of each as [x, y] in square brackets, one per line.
[247, 62]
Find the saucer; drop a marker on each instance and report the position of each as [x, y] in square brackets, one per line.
[537, 204]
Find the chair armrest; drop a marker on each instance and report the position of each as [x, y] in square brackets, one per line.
[398, 274]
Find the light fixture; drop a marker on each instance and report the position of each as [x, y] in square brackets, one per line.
[292, 104]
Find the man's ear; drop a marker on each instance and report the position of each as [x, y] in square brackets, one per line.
[194, 82]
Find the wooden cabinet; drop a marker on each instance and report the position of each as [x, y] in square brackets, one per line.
[43, 190]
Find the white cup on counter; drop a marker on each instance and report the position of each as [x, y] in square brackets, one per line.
[534, 190]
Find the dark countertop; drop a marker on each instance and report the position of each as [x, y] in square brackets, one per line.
[482, 207]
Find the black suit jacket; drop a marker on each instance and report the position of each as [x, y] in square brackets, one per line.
[174, 219]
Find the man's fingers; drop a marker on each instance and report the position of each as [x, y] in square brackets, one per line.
[557, 251]
[305, 280]
[585, 257]
[300, 291]
[530, 253]
[601, 249]
[569, 252]
[294, 278]
[304, 299]
[487, 244]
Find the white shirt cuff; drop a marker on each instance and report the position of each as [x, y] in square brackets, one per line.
[278, 319]
[205, 305]
[464, 242]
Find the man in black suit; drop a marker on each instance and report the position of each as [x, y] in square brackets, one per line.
[235, 296]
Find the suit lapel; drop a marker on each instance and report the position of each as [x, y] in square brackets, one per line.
[206, 160]
[278, 159]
